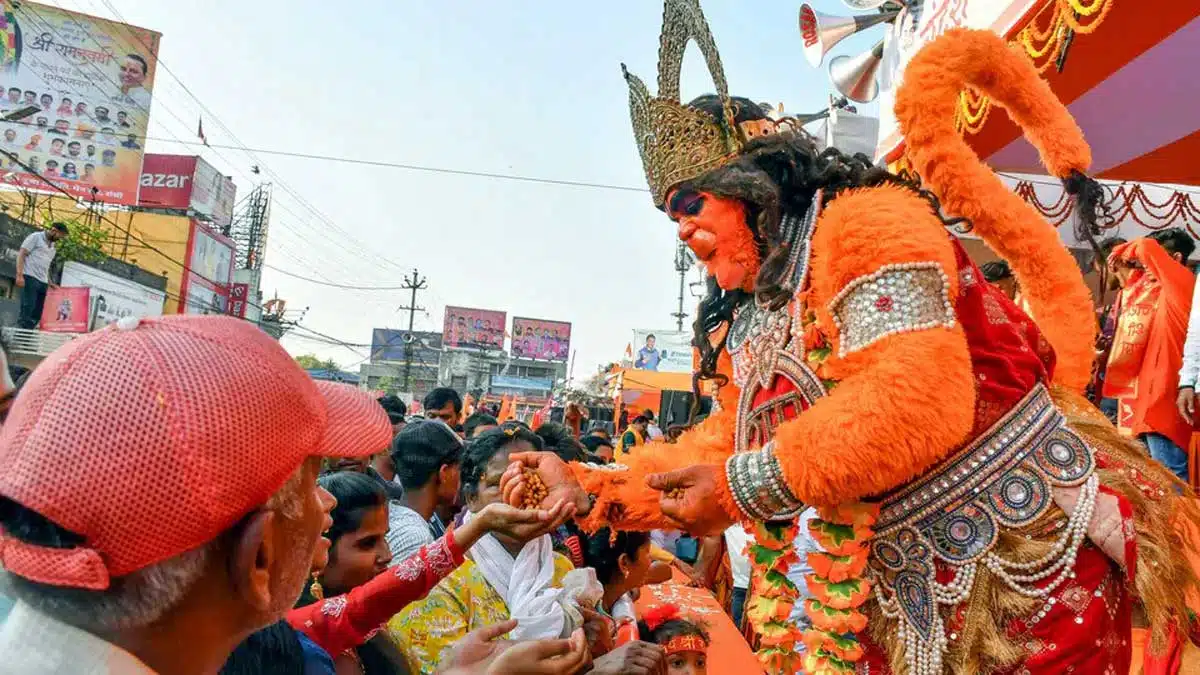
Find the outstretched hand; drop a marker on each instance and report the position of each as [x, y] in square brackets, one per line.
[480, 645]
[525, 524]
[543, 657]
[555, 475]
[689, 497]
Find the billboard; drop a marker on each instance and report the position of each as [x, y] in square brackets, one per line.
[473, 328]
[66, 310]
[201, 296]
[86, 83]
[388, 344]
[537, 339]
[211, 255]
[187, 182]
[212, 194]
[166, 181]
[666, 351]
[112, 297]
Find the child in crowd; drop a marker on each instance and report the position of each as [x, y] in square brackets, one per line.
[685, 642]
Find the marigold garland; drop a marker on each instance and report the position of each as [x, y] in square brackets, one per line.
[769, 608]
[1042, 40]
[839, 588]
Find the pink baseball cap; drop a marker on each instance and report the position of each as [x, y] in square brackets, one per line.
[149, 438]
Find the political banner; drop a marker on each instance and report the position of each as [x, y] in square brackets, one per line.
[112, 297]
[473, 328]
[542, 340]
[77, 91]
[66, 310]
[666, 351]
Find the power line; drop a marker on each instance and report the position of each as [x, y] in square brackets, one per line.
[336, 285]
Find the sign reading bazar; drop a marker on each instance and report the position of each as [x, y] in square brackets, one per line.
[190, 183]
[78, 89]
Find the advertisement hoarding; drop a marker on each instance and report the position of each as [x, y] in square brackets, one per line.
[544, 340]
[112, 297]
[666, 351]
[89, 82]
[187, 182]
[167, 181]
[212, 194]
[66, 310]
[211, 255]
[388, 344]
[203, 297]
[473, 328]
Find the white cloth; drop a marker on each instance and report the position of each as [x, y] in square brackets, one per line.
[34, 643]
[1190, 371]
[524, 584]
[736, 539]
[41, 254]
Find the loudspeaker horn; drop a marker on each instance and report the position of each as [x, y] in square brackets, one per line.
[854, 76]
[820, 32]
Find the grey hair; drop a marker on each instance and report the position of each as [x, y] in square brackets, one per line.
[135, 600]
[139, 598]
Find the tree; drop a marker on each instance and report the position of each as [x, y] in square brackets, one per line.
[388, 384]
[84, 242]
[311, 362]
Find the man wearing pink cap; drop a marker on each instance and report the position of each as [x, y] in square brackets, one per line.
[158, 496]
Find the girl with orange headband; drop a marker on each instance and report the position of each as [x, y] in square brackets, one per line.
[685, 642]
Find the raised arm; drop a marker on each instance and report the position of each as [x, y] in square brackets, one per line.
[883, 283]
[346, 621]
[618, 493]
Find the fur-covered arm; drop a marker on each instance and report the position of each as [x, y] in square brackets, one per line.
[883, 282]
[621, 498]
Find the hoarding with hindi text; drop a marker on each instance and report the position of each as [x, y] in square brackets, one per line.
[542, 340]
[86, 84]
[464, 327]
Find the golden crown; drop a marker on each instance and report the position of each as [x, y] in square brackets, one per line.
[678, 143]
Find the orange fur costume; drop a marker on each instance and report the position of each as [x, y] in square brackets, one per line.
[1010, 517]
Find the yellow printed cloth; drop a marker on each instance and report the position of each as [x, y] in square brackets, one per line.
[459, 604]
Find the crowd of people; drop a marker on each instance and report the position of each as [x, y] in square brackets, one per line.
[329, 532]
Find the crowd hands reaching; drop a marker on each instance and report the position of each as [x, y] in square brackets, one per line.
[293, 545]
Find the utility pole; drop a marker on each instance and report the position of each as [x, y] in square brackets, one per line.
[414, 282]
[683, 263]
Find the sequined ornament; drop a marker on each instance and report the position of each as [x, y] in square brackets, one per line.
[898, 298]
[1003, 480]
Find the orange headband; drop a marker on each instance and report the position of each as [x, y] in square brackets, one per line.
[686, 643]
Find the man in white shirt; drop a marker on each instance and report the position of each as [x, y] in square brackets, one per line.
[426, 456]
[737, 539]
[33, 272]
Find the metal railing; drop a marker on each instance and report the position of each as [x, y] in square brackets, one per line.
[33, 342]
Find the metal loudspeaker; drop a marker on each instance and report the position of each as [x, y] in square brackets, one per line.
[863, 5]
[821, 32]
[854, 76]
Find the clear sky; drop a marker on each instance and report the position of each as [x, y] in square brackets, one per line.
[525, 87]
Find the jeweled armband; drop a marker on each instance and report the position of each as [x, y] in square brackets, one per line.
[756, 481]
[898, 298]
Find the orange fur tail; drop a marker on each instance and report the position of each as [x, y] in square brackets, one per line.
[925, 107]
